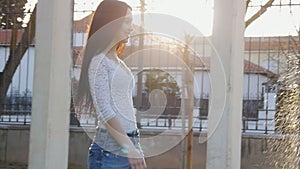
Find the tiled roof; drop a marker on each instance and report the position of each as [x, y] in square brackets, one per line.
[81, 26]
[251, 43]
[271, 43]
[163, 58]
[260, 43]
[250, 67]
[5, 36]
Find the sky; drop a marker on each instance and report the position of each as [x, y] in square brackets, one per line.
[277, 21]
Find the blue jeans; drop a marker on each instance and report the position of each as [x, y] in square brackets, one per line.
[100, 159]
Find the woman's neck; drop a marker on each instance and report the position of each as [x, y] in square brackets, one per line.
[112, 54]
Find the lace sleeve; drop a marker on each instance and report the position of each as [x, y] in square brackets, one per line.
[100, 90]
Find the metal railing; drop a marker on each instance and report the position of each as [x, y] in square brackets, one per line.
[263, 124]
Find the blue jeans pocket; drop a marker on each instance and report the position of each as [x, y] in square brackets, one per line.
[94, 157]
[98, 158]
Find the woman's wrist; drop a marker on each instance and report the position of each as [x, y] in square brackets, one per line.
[130, 151]
[125, 149]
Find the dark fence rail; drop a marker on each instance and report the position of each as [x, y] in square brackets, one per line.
[263, 124]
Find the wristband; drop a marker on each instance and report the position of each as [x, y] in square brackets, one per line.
[124, 149]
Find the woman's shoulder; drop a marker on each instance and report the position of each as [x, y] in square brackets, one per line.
[100, 60]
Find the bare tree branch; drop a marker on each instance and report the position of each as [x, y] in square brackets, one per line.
[298, 45]
[295, 46]
[262, 10]
[15, 58]
[247, 4]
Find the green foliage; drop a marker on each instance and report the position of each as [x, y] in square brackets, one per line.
[12, 13]
[158, 79]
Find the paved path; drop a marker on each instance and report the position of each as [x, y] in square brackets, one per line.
[12, 166]
[4, 165]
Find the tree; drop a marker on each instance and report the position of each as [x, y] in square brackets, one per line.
[12, 18]
[261, 11]
[12, 13]
[158, 79]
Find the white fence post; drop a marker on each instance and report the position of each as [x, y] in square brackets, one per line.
[49, 135]
[225, 115]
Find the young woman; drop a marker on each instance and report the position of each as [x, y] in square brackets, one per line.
[105, 88]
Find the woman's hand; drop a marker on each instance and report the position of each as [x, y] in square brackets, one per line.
[136, 160]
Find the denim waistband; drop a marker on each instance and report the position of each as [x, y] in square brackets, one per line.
[107, 142]
[134, 133]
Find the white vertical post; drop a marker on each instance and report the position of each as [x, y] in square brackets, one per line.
[225, 116]
[49, 135]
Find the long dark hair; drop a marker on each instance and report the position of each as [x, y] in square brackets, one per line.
[99, 37]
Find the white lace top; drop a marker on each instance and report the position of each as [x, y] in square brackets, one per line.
[111, 86]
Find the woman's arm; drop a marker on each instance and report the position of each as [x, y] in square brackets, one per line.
[114, 127]
[116, 130]
[100, 91]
